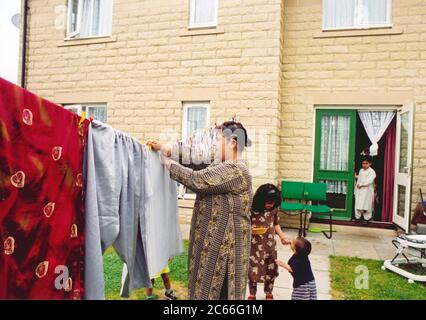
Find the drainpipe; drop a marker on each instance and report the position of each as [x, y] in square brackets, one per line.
[24, 43]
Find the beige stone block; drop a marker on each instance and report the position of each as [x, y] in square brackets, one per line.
[405, 55]
[335, 49]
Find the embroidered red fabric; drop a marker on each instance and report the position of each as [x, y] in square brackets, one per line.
[41, 197]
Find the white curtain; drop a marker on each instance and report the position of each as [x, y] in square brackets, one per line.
[335, 134]
[205, 11]
[96, 18]
[339, 13]
[355, 13]
[334, 186]
[196, 119]
[373, 12]
[105, 14]
[335, 131]
[86, 17]
[375, 124]
[98, 113]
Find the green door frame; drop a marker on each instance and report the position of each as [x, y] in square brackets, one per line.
[348, 176]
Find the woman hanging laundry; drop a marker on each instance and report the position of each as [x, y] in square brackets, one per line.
[219, 244]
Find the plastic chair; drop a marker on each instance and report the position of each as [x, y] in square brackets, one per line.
[318, 192]
[293, 191]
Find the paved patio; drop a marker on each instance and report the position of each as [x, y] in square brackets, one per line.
[367, 243]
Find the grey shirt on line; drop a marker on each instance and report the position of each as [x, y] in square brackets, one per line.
[116, 204]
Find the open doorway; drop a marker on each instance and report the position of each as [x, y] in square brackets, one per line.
[383, 164]
[340, 136]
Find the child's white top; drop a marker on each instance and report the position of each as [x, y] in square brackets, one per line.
[364, 196]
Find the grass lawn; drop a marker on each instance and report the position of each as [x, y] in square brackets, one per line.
[178, 275]
[383, 285]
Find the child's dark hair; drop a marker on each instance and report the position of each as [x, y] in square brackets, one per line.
[236, 131]
[303, 246]
[369, 159]
[265, 193]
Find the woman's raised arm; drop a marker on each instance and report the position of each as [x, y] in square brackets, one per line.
[221, 178]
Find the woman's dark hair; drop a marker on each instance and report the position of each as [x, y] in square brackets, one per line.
[236, 131]
[303, 246]
[265, 193]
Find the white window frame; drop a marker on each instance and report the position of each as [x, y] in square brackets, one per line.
[193, 25]
[187, 105]
[79, 108]
[78, 17]
[74, 34]
[85, 106]
[357, 26]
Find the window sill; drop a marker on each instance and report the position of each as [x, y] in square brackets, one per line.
[357, 32]
[186, 203]
[202, 31]
[84, 41]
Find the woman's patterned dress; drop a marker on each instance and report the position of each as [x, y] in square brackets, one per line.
[219, 244]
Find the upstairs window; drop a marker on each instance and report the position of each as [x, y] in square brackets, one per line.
[356, 14]
[89, 18]
[203, 13]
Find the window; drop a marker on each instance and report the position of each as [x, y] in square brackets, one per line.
[335, 132]
[196, 116]
[203, 13]
[95, 111]
[356, 14]
[89, 18]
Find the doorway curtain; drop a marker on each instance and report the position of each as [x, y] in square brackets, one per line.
[389, 172]
[375, 124]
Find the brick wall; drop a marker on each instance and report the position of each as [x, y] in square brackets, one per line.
[152, 63]
[262, 63]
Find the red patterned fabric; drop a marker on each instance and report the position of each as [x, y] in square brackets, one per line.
[41, 198]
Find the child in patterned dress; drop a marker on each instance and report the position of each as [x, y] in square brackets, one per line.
[264, 220]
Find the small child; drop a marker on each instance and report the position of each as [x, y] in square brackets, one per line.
[169, 293]
[264, 220]
[364, 192]
[304, 287]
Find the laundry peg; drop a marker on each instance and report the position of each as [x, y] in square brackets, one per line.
[82, 118]
[146, 145]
